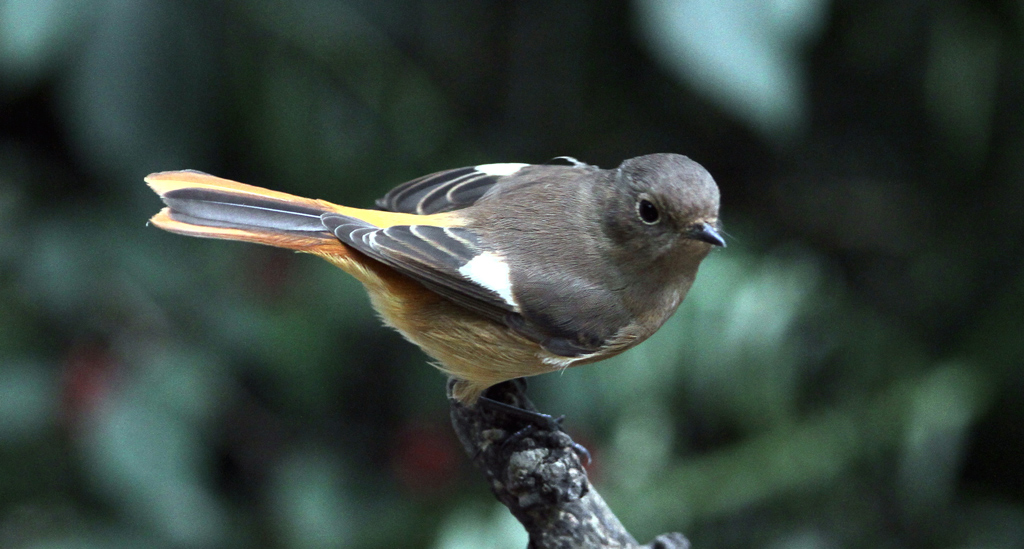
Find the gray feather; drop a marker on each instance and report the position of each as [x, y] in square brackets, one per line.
[225, 209]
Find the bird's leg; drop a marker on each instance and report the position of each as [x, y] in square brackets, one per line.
[535, 420]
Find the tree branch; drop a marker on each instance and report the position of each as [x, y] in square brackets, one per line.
[534, 469]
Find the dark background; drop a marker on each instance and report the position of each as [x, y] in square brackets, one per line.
[847, 373]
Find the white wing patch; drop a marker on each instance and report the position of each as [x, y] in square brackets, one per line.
[491, 271]
[500, 169]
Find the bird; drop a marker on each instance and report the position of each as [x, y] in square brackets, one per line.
[496, 271]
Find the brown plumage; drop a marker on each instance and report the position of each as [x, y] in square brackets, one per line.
[496, 271]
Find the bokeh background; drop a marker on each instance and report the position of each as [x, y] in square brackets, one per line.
[847, 373]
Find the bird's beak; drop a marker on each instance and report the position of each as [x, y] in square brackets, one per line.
[706, 233]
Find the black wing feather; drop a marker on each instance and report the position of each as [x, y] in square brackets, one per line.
[430, 255]
[439, 192]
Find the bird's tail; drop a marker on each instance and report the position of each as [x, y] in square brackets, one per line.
[202, 205]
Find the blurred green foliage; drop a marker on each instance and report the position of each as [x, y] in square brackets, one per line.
[846, 374]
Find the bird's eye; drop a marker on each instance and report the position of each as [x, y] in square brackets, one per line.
[647, 211]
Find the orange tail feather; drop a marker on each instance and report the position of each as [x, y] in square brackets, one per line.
[206, 206]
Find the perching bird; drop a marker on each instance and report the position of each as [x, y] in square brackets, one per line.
[496, 271]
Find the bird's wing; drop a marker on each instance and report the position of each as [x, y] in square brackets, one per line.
[448, 190]
[455, 264]
[458, 188]
[448, 260]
